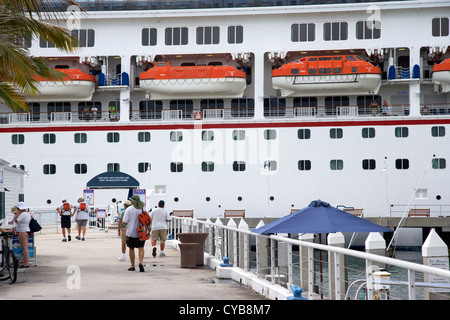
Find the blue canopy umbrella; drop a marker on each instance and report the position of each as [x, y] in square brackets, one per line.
[320, 217]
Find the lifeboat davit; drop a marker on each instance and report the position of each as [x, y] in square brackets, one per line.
[441, 76]
[75, 86]
[327, 75]
[192, 82]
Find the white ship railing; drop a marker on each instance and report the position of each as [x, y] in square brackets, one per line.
[284, 261]
[306, 113]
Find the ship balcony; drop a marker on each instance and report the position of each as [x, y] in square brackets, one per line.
[112, 82]
[297, 113]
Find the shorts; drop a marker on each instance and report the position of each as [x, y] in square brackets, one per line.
[134, 243]
[65, 222]
[161, 234]
[82, 223]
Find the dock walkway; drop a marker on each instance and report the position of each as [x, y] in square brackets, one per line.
[90, 270]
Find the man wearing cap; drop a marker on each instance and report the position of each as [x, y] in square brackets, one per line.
[131, 218]
[64, 211]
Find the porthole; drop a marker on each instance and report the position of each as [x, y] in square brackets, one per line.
[49, 201]
[208, 199]
[239, 198]
[175, 199]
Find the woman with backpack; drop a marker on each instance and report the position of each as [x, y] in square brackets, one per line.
[81, 217]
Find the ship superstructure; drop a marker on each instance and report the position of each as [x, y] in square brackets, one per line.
[364, 124]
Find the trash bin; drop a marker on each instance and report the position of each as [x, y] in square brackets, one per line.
[198, 238]
[188, 253]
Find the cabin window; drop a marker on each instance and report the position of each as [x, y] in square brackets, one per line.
[144, 167]
[270, 134]
[302, 32]
[149, 37]
[176, 36]
[176, 166]
[336, 133]
[440, 27]
[239, 166]
[304, 134]
[334, 31]
[270, 165]
[238, 135]
[53, 107]
[46, 44]
[113, 137]
[332, 104]
[370, 29]
[364, 102]
[304, 165]
[80, 168]
[438, 163]
[49, 138]
[176, 136]
[336, 164]
[294, 71]
[207, 166]
[235, 34]
[401, 132]
[368, 133]
[86, 37]
[208, 35]
[144, 136]
[369, 164]
[49, 169]
[113, 167]
[85, 110]
[242, 107]
[402, 164]
[207, 135]
[274, 107]
[185, 106]
[150, 109]
[438, 131]
[80, 137]
[17, 139]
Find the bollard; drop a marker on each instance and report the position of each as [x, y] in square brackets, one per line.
[435, 254]
[297, 294]
[226, 262]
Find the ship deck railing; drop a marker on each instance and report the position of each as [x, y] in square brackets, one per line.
[318, 112]
[323, 271]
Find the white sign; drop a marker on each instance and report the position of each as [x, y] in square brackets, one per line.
[440, 263]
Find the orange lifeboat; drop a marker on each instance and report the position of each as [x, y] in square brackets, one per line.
[165, 81]
[75, 86]
[327, 75]
[441, 76]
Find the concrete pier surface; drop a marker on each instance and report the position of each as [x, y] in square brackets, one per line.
[90, 270]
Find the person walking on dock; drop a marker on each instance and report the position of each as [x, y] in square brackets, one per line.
[64, 211]
[131, 218]
[160, 217]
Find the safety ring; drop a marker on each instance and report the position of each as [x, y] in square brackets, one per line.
[198, 115]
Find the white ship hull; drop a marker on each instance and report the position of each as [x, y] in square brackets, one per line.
[293, 86]
[194, 88]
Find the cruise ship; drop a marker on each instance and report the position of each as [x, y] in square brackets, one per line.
[262, 105]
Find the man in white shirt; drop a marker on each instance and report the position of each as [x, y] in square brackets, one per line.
[160, 217]
[131, 218]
